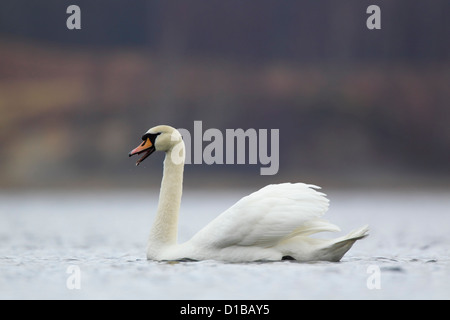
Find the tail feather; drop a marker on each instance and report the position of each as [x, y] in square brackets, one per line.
[304, 248]
[313, 226]
[340, 246]
[357, 234]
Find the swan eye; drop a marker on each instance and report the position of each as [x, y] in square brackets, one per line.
[151, 136]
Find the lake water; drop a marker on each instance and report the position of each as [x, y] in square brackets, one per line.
[91, 245]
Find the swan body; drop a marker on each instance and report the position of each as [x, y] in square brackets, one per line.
[273, 223]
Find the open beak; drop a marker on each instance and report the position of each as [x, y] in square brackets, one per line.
[146, 147]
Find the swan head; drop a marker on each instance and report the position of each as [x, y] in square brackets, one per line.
[159, 138]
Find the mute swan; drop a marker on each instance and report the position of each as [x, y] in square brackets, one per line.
[270, 224]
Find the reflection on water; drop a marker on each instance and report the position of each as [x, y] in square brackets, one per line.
[105, 233]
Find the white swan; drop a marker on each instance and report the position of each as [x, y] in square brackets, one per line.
[270, 224]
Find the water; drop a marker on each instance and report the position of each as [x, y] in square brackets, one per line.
[48, 239]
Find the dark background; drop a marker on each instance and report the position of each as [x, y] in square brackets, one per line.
[355, 107]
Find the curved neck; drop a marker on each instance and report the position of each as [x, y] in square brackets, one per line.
[165, 227]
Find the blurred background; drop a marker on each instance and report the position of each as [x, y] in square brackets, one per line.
[355, 107]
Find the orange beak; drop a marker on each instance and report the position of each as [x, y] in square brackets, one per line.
[145, 147]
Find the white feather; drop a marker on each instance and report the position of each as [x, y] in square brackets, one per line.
[265, 217]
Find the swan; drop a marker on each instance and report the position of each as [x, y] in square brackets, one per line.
[273, 223]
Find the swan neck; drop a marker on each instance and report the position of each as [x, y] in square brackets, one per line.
[165, 227]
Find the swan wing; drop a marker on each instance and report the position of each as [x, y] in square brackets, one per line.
[268, 216]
